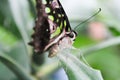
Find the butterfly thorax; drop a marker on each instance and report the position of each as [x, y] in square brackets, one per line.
[65, 40]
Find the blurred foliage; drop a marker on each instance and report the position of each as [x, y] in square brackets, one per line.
[15, 31]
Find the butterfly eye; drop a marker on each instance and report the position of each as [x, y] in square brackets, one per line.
[71, 35]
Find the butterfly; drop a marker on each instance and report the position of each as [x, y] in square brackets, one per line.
[52, 29]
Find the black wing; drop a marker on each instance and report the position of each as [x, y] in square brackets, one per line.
[67, 26]
[59, 15]
[51, 21]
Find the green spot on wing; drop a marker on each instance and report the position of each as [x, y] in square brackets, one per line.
[57, 32]
[65, 23]
[57, 20]
[51, 17]
[53, 12]
[44, 1]
[61, 26]
[47, 10]
[59, 15]
[69, 29]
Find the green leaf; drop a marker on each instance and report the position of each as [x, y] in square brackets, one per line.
[102, 60]
[21, 15]
[6, 39]
[80, 71]
[102, 45]
[18, 53]
[15, 67]
[114, 31]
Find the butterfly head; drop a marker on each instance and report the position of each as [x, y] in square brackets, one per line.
[65, 40]
[72, 34]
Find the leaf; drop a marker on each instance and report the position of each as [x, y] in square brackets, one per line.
[102, 60]
[21, 16]
[102, 45]
[6, 39]
[18, 53]
[15, 67]
[80, 71]
[114, 31]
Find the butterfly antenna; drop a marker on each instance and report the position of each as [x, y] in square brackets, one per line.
[87, 19]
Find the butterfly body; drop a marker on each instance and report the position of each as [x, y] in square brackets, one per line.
[52, 28]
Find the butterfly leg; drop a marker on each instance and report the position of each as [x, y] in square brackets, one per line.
[53, 50]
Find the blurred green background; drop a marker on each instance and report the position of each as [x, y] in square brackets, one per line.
[98, 38]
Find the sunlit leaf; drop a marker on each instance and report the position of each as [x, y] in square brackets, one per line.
[80, 70]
